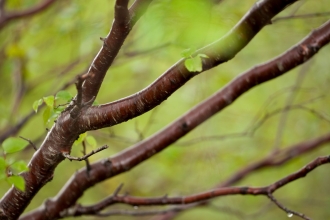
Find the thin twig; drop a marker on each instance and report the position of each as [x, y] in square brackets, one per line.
[303, 16]
[30, 142]
[288, 211]
[68, 156]
[88, 166]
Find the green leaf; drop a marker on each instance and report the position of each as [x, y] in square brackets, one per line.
[2, 164]
[194, 64]
[12, 145]
[59, 109]
[18, 182]
[36, 104]
[46, 115]
[63, 95]
[187, 53]
[203, 55]
[49, 100]
[20, 166]
[80, 139]
[3, 175]
[91, 141]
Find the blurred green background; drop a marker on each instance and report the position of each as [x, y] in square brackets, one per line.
[40, 54]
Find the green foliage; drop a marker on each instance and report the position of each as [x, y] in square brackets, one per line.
[19, 166]
[63, 95]
[193, 63]
[10, 168]
[90, 140]
[36, 104]
[52, 111]
[12, 145]
[17, 181]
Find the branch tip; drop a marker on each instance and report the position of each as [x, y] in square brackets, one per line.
[30, 142]
[85, 157]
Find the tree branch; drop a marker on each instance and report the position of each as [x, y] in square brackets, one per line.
[199, 197]
[219, 52]
[134, 155]
[5, 17]
[122, 25]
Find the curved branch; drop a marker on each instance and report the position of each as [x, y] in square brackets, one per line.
[199, 197]
[9, 16]
[218, 52]
[134, 155]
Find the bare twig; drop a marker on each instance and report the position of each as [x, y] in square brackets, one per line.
[288, 211]
[303, 16]
[68, 156]
[30, 142]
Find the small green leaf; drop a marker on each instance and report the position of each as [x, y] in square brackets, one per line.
[91, 141]
[36, 105]
[46, 115]
[189, 64]
[194, 64]
[80, 139]
[2, 164]
[12, 145]
[187, 53]
[63, 95]
[49, 100]
[18, 182]
[59, 109]
[20, 166]
[202, 55]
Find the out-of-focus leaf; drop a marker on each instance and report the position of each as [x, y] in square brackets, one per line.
[202, 55]
[49, 100]
[46, 115]
[36, 104]
[17, 181]
[2, 164]
[63, 95]
[187, 53]
[14, 51]
[91, 141]
[13, 144]
[80, 139]
[20, 166]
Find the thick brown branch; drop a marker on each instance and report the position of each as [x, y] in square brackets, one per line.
[266, 191]
[112, 43]
[10, 16]
[218, 52]
[134, 155]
